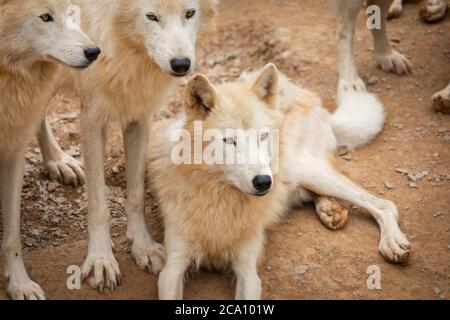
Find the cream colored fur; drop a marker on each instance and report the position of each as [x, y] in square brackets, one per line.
[130, 82]
[29, 49]
[210, 220]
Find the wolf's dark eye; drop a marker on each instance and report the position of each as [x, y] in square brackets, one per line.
[46, 17]
[152, 17]
[190, 13]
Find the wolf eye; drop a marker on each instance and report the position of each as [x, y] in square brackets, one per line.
[46, 17]
[190, 13]
[152, 17]
[231, 141]
[264, 136]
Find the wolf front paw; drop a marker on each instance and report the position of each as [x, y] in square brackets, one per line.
[24, 289]
[441, 100]
[395, 247]
[433, 10]
[65, 170]
[394, 62]
[148, 254]
[101, 271]
[395, 10]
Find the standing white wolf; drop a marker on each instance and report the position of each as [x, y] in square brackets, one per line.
[387, 58]
[146, 44]
[35, 37]
[215, 215]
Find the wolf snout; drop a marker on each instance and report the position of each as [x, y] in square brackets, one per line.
[262, 183]
[92, 54]
[180, 67]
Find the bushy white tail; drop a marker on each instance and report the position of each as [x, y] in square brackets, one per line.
[358, 119]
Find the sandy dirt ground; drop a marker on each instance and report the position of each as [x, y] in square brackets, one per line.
[303, 259]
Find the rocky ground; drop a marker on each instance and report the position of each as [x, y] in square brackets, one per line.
[408, 163]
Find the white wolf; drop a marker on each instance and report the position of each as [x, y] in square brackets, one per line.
[35, 37]
[146, 44]
[216, 215]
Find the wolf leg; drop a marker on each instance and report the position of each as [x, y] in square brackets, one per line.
[171, 279]
[59, 165]
[349, 80]
[19, 285]
[148, 254]
[100, 269]
[330, 212]
[441, 100]
[248, 283]
[395, 10]
[388, 59]
[322, 179]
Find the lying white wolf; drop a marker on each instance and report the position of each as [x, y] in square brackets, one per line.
[216, 214]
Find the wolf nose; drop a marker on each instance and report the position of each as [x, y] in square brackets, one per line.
[262, 183]
[181, 66]
[92, 53]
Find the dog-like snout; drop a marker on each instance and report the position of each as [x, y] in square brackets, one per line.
[92, 54]
[181, 66]
[262, 183]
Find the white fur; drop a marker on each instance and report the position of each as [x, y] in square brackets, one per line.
[358, 119]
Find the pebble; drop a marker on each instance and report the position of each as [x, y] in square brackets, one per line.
[388, 185]
[402, 171]
[115, 170]
[373, 80]
[301, 270]
[437, 291]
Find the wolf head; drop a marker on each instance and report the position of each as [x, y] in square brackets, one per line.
[44, 30]
[167, 29]
[245, 117]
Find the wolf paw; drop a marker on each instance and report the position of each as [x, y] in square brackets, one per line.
[331, 213]
[24, 289]
[65, 170]
[395, 10]
[148, 254]
[101, 271]
[394, 62]
[433, 10]
[395, 247]
[441, 100]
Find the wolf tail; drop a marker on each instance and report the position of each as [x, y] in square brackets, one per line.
[358, 119]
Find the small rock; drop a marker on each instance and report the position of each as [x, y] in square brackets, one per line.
[115, 170]
[373, 80]
[402, 171]
[437, 291]
[388, 185]
[413, 185]
[269, 268]
[301, 270]
[417, 176]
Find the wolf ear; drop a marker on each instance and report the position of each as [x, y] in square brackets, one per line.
[75, 12]
[266, 85]
[200, 97]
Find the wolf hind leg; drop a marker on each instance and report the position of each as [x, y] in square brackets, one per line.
[59, 165]
[330, 212]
